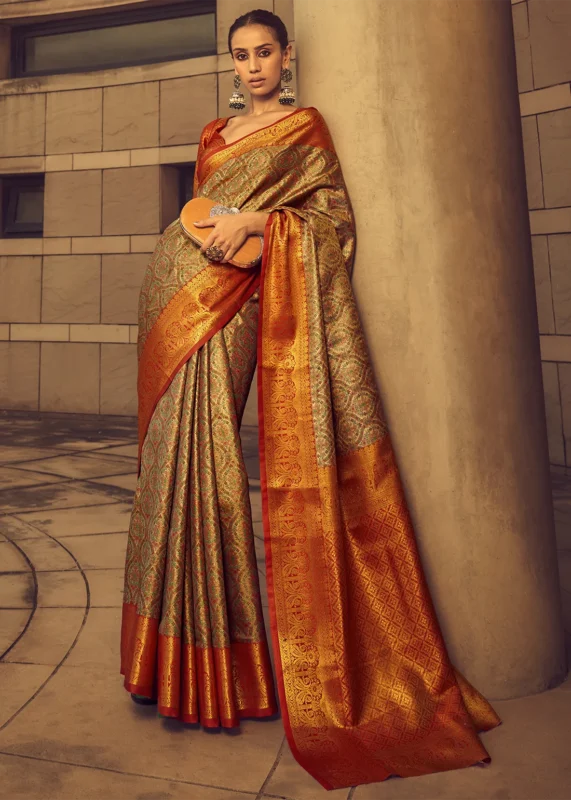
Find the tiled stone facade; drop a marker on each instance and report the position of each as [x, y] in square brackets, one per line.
[108, 141]
[543, 35]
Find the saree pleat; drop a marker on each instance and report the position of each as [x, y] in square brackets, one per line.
[193, 631]
[366, 687]
[175, 587]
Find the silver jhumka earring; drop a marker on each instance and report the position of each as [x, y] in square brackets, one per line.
[237, 99]
[287, 95]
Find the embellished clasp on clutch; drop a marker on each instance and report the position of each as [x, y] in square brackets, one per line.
[248, 255]
[217, 211]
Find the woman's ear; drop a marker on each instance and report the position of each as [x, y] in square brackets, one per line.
[286, 58]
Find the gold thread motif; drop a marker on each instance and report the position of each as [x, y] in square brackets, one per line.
[191, 316]
[363, 672]
[373, 694]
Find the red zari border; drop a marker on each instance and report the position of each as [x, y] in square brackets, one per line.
[357, 708]
[199, 310]
[213, 686]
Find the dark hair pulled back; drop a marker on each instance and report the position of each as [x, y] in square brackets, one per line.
[260, 17]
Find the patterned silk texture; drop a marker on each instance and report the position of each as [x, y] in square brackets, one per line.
[365, 684]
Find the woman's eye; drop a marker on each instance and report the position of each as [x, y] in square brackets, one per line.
[241, 56]
[264, 53]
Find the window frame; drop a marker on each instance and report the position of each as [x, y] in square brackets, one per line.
[109, 19]
[9, 228]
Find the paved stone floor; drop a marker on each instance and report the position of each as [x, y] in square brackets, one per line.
[68, 730]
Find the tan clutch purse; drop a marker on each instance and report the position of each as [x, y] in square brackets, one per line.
[199, 208]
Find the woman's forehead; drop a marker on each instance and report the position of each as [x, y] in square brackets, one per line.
[252, 36]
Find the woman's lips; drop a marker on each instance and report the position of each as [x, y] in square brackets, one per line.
[256, 81]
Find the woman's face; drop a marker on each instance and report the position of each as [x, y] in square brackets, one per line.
[259, 59]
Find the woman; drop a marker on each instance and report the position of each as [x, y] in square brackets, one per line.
[365, 683]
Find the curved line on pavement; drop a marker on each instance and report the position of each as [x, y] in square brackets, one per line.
[34, 603]
[81, 627]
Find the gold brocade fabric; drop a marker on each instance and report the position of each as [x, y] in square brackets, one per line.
[191, 565]
[365, 683]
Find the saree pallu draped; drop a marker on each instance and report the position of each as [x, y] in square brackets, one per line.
[365, 684]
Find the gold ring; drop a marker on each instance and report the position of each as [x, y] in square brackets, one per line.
[215, 253]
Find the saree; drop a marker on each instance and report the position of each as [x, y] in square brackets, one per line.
[365, 684]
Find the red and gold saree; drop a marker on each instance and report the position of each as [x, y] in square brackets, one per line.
[365, 684]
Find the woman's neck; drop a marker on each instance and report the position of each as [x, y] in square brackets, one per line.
[265, 105]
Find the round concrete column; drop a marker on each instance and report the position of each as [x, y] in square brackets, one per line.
[421, 98]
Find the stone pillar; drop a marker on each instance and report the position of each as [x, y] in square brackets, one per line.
[421, 98]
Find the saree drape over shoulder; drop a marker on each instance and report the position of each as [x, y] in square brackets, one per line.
[365, 684]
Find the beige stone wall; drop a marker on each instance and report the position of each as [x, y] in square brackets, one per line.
[107, 142]
[104, 139]
[543, 48]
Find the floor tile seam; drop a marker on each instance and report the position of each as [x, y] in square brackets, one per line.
[40, 605]
[74, 569]
[25, 471]
[15, 571]
[97, 480]
[78, 478]
[99, 533]
[93, 450]
[31, 460]
[37, 485]
[112, 456]
[125, 444]
[99, 441]
[272, 770]
[92, 607]
[31, 571]
[64, 479]
[22, 538]
[47, 509]
[103, 569]
[114, 475]
[71, 647]
[41, 471]
[108, 454]
[19, 514]
[137, 774]
[109, 489]
[41, 664]
[60, 569]
[28, 486]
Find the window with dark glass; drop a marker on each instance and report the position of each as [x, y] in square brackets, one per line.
[22, 205]
[103, 41]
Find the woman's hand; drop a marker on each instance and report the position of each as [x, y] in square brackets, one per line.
[230, 231]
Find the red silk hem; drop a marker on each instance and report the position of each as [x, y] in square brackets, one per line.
[215, 686]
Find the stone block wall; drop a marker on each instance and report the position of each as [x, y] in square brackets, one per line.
[542, 31]
[109, 143]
